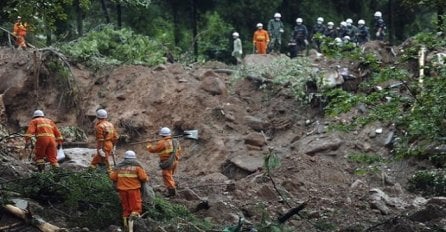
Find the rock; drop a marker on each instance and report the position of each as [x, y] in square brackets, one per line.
[379, 200]
[77, 158]
[431, 212]
[188, 194]
[316, 143]
[267, 193]
[249, 163]
[362, 108]
[441, 201]
[388, 141]
[160, 67]
[372, 134]
[121, 97]
[213, 85]
[255, 139]
[419, 201]
[357, 184]
[255, 123]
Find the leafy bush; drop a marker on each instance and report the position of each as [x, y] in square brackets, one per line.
[88, 195]
[73, 134]
[111, 46]
[429, 182]
[215, 40]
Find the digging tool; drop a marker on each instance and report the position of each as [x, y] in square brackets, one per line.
[188, 134]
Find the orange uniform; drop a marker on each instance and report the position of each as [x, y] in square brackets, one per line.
[260, 41]
[128, 177]
[164, 148]
[47, 137]
[106, 139]
[19, 31]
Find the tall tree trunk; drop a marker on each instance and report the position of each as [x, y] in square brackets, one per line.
[79, 18]
[104, 9]
[194, 28]
[119, 12]
[391, 24]
[176, 24]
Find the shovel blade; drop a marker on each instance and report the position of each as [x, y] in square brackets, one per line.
[191, 134]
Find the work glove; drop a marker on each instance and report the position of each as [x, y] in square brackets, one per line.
[377, 34]
[101, 152]
[306, 42]
[281, 30]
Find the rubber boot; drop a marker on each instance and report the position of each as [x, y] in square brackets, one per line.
[171, 192]
[41, 167]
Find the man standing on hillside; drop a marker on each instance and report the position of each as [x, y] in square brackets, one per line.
[260, 39]
[363, 32]
[169, 151]
[106, 139]
[128, 176]
[48, 139]
[275, 30]
[19, 31]
[237, 52]
[300, 35]
[318, 32]
[380, 26]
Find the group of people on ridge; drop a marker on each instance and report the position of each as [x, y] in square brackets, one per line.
[270, 40]
[129, 174]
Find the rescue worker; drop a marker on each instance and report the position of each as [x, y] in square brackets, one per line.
[352, 30]
[363, 33]
[380, 26]
[292, 47]
[342, 29]
[106, 139]
[318, 32]
[275, 30]
[128, 175]
[260, 39]
[237, 52]
[169, 151]
[48, 140]
[300, 35]
[331, 31]
[19, 31]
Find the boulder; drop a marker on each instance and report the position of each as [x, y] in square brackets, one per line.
[255, 139]
[77, 158]
[250, 163]
[254, 123]
[189, 195]
[313, 144]
[213, 85]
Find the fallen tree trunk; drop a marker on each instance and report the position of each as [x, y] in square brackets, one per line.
[291, 212]
[35, 221]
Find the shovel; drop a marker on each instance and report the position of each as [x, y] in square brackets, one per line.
[188, 134]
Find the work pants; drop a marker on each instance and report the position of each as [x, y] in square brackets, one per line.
[261, 47]
[169, 182]
[130, 201]
[97, 159]
[46, 147]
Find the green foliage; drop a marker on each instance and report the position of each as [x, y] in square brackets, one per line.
[214, 40]
[284, 71]
[340, 101]
[431, 183]
[166, 212]
[88, 195]
[271, 161]
[73, 134]
[111, 46]
[367, 163]
[429, 40]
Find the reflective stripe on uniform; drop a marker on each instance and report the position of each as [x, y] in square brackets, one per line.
[44, 125]
[45, 135]
[127, 175]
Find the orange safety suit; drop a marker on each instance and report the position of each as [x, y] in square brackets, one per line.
[19, 31]
[260, 41]
[47, 137]
[106, 139]
[128, 180]
[164, 148]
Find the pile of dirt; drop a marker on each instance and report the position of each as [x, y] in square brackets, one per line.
[238, 124]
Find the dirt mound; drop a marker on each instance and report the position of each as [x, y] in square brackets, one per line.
[238, 124]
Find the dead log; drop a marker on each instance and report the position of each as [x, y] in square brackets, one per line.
[34, 220]
[291, 212]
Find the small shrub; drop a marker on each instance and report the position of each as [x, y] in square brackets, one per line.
[431, 183]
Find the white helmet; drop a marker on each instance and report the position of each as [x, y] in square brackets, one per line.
[330, 24]
[101, 113]
[338, 40]
[361, 22]
[277, 15]
[320, 20]
[259, 25]
[235, 34]
[165, 131]
[19, 17]
[378, 14]
[130, 155]
[346, 38]
[343, 23]
[349, 21]
[299, 20]
[38, 113]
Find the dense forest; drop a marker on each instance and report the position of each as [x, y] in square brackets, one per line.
[203, 28]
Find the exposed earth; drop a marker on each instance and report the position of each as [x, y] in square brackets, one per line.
[238, 123]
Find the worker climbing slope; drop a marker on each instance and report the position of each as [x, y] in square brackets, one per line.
[19, 31]
[106, 139]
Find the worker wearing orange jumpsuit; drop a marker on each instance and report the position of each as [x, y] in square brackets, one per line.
[48, 139]
[19, 31]
[106, 139]
[128, 176]
[165, 148]
[260, 39]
